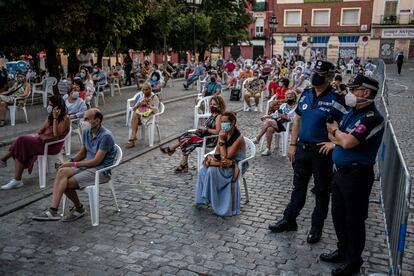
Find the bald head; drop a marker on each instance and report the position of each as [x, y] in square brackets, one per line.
[92, 114]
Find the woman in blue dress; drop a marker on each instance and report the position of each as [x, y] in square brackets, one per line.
[214, 184]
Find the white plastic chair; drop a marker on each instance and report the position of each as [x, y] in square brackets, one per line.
[244, 91]
[199, 113]
[150, 126]
[201, 150]
[283, 139]
[100, 93]
[93, 190]
[48, 83]
[250, 153]
[15, 106]
[129, 107]
[42, 160]
[78, 131]
[115, 83]
[268, 103]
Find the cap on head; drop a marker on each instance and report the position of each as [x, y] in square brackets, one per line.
[361, 80]
[322, 66]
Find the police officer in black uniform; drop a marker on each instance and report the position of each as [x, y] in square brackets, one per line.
[311, 153]
[357, 138]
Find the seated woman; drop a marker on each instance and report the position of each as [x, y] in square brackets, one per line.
[75, 106]
[26, 148]
[146, 105]
[277, 121]
[88, 83]
[20, 89]
[213, 88]
[155, 83]
[218, 185]
[190, 140]
[282, 89]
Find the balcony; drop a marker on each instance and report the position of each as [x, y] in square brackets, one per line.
[402, 19]
[259, 6]
[322, 1]
[259, 35]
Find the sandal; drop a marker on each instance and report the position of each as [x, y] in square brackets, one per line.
[182, 168]
[167, 150]
[131, 143]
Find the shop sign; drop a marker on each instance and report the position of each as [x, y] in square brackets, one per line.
[398, 33]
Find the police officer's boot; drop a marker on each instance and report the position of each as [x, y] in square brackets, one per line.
[283, 225]
[314, 235]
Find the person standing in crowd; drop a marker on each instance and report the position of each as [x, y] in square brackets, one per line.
[399, 59]
[128, 69]
[357, 139]
[311, 154]
[85, 59]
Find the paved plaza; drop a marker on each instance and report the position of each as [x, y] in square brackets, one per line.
[160, 232]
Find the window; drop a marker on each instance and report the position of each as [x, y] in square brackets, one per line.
[321, 17]
[293, 18]
[390, 8]
[259, 26]
[350, 16]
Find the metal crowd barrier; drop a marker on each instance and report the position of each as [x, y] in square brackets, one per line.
[395, 182]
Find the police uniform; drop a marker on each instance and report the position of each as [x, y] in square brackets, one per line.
[314, 111]
[354, 175]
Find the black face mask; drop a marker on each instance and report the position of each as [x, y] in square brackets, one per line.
[290, 102]
[213, 79]
[318, 80]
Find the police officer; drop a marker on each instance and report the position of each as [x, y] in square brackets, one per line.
[311, 153]
[357, 140]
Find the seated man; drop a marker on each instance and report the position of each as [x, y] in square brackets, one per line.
[198, 71]
[255, 88]
[98, 151]
[213, 88]
[98, 77]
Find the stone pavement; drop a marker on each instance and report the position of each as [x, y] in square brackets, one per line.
[160, 232]
[401, 108]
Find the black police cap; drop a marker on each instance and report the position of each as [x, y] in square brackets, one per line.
[361, 80]
[322, 66]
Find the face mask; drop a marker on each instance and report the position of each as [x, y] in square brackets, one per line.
[75, 94]
[20, 80]
[82, 75]
[213, 79]
[95, 70]
[298, 72]
[86, 125]
[350, 99]
[214, 109]
[49, 109]
[154, 78]
[318, 80]
[290, 102]
[280, 83]
[226, 126]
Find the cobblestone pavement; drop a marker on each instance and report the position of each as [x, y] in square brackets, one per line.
[160, 232]
[401, 108]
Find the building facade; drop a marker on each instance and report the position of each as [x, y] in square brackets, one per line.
[327, 28]
[393, 28]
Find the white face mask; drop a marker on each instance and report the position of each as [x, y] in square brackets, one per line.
[86, 125]
[350, 99]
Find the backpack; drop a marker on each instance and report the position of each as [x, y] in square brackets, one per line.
[235, 94]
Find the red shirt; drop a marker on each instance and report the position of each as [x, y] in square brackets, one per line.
[230, 67]
[272, 88]
[82, 95]
[281, 92]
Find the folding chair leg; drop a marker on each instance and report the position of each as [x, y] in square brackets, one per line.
[245, 190]
[111, 186]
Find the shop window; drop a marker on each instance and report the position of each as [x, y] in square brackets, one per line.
[350, 16]
[293, 18]
[321, 17]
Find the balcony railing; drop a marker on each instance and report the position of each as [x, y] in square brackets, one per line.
[321, 1]
[401, 19]
[259, 6]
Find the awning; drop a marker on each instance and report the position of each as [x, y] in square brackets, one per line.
[320, 41]
[348, 40]
[290, 41]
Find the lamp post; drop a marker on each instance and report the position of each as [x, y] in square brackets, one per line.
[272, 25]
[194, 4]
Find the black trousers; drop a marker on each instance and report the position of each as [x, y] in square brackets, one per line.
[399, 66]
[308, 163]
[351, 188]
[128, 80]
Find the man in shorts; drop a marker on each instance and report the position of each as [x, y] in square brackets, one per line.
[255, 88]
[98, 151]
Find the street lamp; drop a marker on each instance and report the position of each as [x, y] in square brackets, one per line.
[272, 25]
[194, 4]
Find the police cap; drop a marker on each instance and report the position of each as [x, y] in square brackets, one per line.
[361, 80]
[322, 66]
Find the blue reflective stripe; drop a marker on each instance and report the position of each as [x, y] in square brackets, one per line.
[401, 242]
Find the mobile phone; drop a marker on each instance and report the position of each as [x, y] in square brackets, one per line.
[217, 156]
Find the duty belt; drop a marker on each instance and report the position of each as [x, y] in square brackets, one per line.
[309, 147]
[349, 168]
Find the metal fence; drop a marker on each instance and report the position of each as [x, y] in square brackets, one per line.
[395, 182]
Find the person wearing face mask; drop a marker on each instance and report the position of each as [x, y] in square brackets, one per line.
[277, 121]
[215, 185]
[20, 89]
[26, 148]
[192, 139]
[357, 138]
[213, 88]
[98, 76]
[98, 151]
[155, 83]
[255, 87]
[146, 105]
[75, 105]
[273, 85]
[310, 150]
[283, 87]
[307, 71]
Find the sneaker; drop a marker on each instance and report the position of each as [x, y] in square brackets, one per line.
[3, 164]
[47, 215]
[74, 214]
[255, 141]
[13, 184]
[247, 109]
[266, 152]
[255, 109]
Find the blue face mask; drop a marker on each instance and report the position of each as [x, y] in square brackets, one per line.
[82, 75]
[49, 109]
[154, 78]
[75, 94]
[226, 126]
